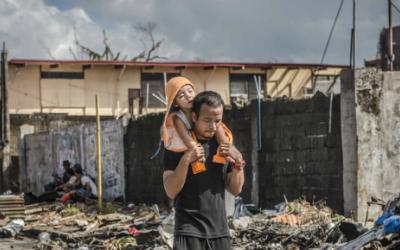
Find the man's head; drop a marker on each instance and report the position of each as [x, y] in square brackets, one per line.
[66, 164]
[207, 111]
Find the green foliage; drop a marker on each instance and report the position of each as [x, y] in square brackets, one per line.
[70, 210]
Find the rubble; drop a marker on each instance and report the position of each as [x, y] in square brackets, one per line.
[291, 225]
[296, 225]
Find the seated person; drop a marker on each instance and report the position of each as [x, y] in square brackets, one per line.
[57, 183]
[88, 189]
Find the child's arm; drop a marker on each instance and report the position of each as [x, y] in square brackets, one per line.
[183, 133]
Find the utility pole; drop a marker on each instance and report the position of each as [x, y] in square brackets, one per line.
[390, 35]
[5, 122]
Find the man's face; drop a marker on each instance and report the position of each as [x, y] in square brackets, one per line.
[206, 124]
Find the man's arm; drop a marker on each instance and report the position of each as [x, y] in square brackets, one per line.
[235, 179]
[175, 179]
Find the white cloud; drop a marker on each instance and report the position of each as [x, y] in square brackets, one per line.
[29, 26]
[257, 30]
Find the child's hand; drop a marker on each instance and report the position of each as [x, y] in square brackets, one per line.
[196, 153]
[193, 145]
[230, 152]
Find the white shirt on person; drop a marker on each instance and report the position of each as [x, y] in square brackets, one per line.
[72, 180]
[86, 180]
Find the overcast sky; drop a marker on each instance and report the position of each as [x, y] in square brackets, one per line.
[208, 30]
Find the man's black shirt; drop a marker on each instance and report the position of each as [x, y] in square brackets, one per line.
[200, 205]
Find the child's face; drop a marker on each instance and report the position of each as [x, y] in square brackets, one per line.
[185, 97]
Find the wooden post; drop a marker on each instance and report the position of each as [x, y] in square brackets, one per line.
[99, 180]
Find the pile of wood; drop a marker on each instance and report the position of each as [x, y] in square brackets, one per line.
[12, 206]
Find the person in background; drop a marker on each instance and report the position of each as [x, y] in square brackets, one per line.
[87, 190]
[59, 182]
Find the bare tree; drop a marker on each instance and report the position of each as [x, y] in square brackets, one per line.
[148, 53]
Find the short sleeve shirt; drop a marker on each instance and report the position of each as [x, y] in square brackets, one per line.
[200, 205]
[85, 180]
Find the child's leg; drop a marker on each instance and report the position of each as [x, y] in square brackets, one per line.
[222, 139]
[198, 166]
[221, 136]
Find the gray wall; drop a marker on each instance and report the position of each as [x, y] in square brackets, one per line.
[299, 156]
[22, 124]
[349, 143]
[378, 123]
[44, 152]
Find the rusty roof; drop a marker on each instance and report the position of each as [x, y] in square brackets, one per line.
[265, 65]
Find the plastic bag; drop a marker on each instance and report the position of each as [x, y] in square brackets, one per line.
[392, 224]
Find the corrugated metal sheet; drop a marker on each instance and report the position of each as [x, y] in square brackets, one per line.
[12, 206]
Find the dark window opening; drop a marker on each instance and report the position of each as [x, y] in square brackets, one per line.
[153, 85]
[134, 97]
[61, 75]
[243, 87]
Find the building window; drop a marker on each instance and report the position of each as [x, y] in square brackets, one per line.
[152, 87]
[243, 87]
[61, 75]
[326, 84]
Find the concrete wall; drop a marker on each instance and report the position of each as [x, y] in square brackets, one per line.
[378, 122]
[299, 155]
[44, 153]
[42, 123]
[22, 125]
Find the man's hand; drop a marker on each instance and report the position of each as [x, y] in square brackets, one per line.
[230, 152]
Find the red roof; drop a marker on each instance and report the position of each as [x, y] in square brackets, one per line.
[174, 64]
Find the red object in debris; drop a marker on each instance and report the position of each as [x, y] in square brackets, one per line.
[133, 231]
[66, 197]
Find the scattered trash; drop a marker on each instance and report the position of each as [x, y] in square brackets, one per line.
[44, 237]
[12, 228]
[294, 224]
[133, 231]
